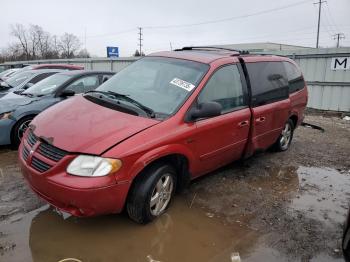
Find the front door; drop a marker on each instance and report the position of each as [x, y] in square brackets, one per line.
[222, 139]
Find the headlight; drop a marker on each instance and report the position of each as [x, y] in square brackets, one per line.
[5, 115]
[93, 166]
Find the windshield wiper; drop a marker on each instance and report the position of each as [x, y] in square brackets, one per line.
[126, 98]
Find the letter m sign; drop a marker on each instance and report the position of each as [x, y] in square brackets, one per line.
[340, 63]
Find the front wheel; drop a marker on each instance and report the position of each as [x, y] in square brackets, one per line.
[19, 130]
[286, 136]
[151, 193]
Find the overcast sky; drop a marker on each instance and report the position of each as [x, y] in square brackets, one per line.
[114, 23]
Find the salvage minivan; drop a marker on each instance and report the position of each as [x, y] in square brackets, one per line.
[164, 120]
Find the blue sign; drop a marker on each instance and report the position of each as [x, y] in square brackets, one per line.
[112, 51]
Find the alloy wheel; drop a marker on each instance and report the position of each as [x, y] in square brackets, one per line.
[161, 194]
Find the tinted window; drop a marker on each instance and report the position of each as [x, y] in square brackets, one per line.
[40, 77]
[84, 84]
[295, 78]
[268, 81]
[225, 88]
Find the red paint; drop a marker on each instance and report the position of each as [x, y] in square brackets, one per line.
[80, 126]
[57, 66]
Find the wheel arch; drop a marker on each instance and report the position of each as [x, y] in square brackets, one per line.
[17, 120]
[294, 119]
[176, 155]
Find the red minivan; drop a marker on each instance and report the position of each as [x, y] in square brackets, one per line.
[164, 120]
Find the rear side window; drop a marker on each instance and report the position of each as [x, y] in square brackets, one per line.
[295, 78]
[268, 82]
[225, 88]
[40, 77]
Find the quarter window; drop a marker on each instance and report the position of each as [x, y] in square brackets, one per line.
[295, 78]
[268, 82]
[225, 88]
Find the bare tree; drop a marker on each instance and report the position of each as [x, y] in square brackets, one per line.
[69, 45]
[40, 41]
[34, 42]
[20, 33]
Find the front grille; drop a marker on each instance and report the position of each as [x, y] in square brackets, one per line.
[31, 138]
[51, 152]
[39, 165]
[25, 153]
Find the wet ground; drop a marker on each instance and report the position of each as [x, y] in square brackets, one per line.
[274, 207]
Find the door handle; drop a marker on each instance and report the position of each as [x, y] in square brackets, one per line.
[243, 123]
[260, 119]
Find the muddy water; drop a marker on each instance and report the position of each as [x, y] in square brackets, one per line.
[187, 232]
[183, 234]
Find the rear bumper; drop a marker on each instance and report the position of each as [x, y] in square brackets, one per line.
[78, 201]
[5, 131]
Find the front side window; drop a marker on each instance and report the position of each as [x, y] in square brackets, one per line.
[161, 84]
[48, 85]
[225, 88]
[84, 84]
[295, 78]
[268, 82]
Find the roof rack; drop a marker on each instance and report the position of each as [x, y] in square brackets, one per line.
[186, 48]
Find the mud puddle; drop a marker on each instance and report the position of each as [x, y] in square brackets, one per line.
[183, 234]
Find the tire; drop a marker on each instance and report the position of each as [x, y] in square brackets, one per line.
[19, 129]
[143, 205]
[286, 136]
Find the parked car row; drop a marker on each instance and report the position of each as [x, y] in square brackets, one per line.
[32, 90]
[166, 119]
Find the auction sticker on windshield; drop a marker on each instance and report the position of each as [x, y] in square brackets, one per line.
[183, 84]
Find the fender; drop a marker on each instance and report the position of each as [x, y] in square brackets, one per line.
[27, 113]
[160, 152]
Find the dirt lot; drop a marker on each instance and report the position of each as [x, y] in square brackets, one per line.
[273, 207]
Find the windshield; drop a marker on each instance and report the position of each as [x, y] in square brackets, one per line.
[19, 78]
[48, 85]
[161, 84]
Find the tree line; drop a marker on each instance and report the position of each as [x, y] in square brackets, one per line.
[33, 43]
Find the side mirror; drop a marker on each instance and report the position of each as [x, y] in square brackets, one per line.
[204, 110]
[67, 93]
[27, 85]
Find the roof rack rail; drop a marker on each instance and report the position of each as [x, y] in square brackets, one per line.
[185, 48]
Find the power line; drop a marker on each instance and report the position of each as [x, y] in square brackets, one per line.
[113, 34]
[230, 18]
[331, 17]
[338, 37]
[320, 2]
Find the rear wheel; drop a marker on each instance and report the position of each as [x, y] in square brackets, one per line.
[19, 130]
[151, 193]
[286, 136]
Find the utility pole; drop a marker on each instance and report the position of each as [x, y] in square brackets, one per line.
[338, 37]
[319, 3]
[140, 40]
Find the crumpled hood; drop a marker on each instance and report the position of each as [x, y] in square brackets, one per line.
[79, 125]
[12, 101]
